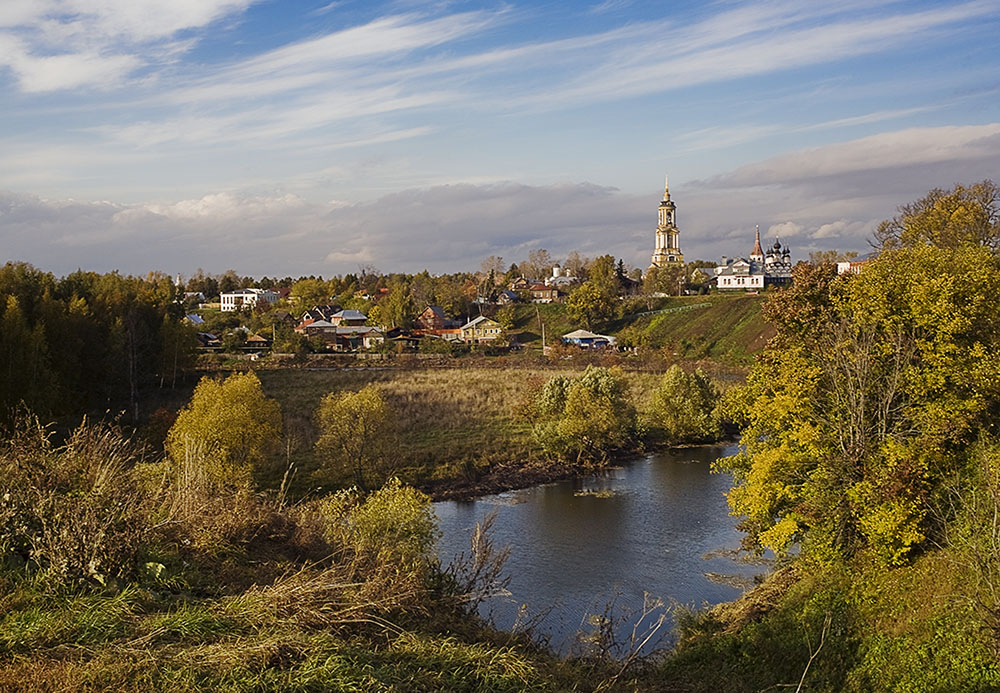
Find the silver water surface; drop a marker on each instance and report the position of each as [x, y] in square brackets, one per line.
[658, 524]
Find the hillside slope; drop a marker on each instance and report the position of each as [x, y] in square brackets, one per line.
[723, 327]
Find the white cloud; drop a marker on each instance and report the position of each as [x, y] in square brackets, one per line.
[913, 146]
[842, 228]
[786, 229]
[444, 228]
[52, 45]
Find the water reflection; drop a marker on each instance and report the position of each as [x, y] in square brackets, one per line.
[659, 525]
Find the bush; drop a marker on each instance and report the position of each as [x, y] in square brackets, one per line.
[684, 407]
[233, 424]
[587, 416]
[356, 431]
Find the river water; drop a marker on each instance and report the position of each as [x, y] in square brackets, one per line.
[657, 525]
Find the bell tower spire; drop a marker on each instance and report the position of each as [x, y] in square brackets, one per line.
[758, 253]
[668, 247]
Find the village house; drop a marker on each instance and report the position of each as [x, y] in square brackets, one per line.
[505, 297]
[433, 319]
[342, 337]
[246, 298]
[854, 265]
[588, 340]
[481, 329]
[256, 341]
[349, 318]
[540, 293]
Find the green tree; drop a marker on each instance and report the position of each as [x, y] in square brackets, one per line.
[307, 293]
[505, 316]
[355, 436]
[591, 303]
[586, 417]
[947, 219]
[26, 376]
[231, 423]
[179, 346]
[684, 407]
[396, 309]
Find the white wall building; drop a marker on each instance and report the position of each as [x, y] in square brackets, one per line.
[760, 270]
[246, 298]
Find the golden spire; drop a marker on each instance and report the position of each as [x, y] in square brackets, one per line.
[666, 187]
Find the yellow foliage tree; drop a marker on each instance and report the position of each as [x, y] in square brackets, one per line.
[860, 409]
[234, 425]
[356, 431]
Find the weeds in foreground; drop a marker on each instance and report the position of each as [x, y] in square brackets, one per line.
[192, 583]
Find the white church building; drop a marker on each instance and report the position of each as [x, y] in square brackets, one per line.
[760, 270]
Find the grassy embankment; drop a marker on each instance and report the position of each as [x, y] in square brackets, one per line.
[467, 428]
[726, 328]
[853, 628]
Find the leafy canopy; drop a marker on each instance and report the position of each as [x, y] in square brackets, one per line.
[684, 407]
[587, 416]
[356, 430]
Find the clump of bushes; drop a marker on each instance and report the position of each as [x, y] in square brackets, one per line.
[91, 514]
[74, 513]
[585, 418]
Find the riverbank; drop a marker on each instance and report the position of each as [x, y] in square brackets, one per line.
[461, 432]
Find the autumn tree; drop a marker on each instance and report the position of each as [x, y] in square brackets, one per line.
[965, 215]
[820, 257]
[591, 303]
[397, 309]
[307, 293]
[355, 437]
[586, 417]
[853, 416]
[596, 300]
[231, 423]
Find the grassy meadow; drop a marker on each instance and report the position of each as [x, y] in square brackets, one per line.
[453, 423]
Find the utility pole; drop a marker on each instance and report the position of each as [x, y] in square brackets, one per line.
[538, 314]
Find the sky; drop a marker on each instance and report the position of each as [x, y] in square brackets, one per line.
[299, 137]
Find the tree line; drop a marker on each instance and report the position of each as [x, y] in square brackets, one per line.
[88, 341]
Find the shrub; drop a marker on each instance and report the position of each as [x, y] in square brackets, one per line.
[683, 407]
[235, 425]
[356, 430]
[75, 513]
[587, 416]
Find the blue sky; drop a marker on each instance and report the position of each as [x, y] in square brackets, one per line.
[300, 137]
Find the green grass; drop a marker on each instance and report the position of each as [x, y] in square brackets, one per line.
[191, 649]
[729, 330]
[900, 629]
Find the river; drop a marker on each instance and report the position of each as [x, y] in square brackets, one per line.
[657, 525]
